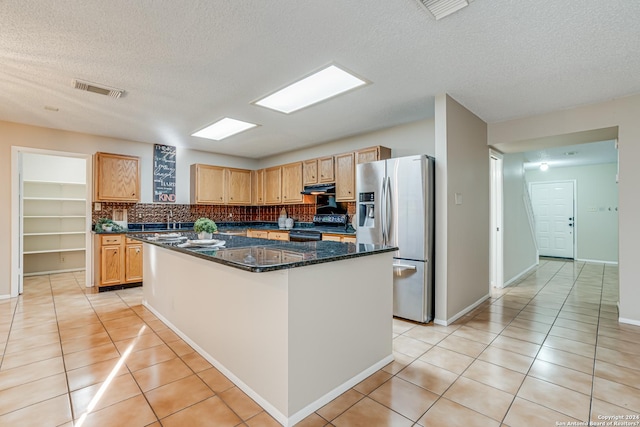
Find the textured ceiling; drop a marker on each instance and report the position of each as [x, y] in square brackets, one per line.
[184, 65]
[591, 153]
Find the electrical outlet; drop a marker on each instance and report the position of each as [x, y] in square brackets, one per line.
[139, 215]
[97, 206]
[230, 215]
[61, 258]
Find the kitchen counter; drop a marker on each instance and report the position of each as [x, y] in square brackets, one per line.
[260, 255]
[315, 322]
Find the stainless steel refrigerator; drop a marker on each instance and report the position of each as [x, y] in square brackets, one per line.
[395, 207]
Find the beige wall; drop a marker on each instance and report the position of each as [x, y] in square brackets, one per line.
[13, 134]
[519, 245]
[404, 140]
[462, 230]
[622, 113]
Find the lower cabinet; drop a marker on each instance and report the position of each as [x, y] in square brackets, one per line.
[119, 260]
[258, 234]
[338, 238]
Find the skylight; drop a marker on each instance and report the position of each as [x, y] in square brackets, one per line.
[324, 84]
[223, 129]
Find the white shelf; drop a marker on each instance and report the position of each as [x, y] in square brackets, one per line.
[50, 251]
[35, 181]
[55, 233]
[52, 216]
[56, 199]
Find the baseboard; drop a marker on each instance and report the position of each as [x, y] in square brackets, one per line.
[520, 275]
[5, 296]
[596, 261]
[629, 321]
[461, 313]
[279, 416]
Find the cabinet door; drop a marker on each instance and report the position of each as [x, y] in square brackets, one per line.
[310, 172]
[111, 272]
[272, 187]
[345, 177]
[239, 186]
[133, 263]
[117, 178]
[257, 187]
[292, 183]
[278, 235]
[207, 185]
[372, 154]
[325, 165]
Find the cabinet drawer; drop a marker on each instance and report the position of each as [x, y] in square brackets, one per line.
[258, 234]
[110, 240]
[278, 235]
[133, 241]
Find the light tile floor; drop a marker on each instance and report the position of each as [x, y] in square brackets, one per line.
[548, 350]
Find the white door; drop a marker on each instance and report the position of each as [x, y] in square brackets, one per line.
[554, 217]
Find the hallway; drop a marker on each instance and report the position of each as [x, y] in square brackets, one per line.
[548, 349]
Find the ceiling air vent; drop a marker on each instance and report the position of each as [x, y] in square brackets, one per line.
[441, 8]
[101, 90]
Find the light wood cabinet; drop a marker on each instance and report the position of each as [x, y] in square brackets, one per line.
[278, 235]
[116, 178]
[372, 154]
[257, 187]
[273, 185]
[345, 177]
[292, 183]
[338, 238]
[239, 186]
[119, 259]
[258, 234]
[318, 171]
[310, 172]
[133, 261]
[325, 166]
[207, 184]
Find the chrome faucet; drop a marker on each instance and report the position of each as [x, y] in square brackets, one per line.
[169, 215]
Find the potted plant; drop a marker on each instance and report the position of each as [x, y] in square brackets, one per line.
[205, 228]
[106, 225]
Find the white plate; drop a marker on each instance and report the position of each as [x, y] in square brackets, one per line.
[210, 243]
[168, 236]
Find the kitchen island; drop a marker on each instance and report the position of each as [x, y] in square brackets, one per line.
[293, 325]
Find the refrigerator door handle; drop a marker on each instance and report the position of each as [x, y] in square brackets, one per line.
[388, 210]
[383, 221]
[405, 266]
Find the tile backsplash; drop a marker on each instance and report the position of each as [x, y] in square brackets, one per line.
[158, 212]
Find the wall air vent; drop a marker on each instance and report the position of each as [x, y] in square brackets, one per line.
[442, 8]
[99, 89]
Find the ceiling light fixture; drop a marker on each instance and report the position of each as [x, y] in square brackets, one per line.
[544, 167]
[223, 128]
[442, 8]
[324, 84]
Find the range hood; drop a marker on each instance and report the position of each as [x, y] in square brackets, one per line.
[319, 189]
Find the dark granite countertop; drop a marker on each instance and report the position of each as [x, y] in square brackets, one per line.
[261, 255]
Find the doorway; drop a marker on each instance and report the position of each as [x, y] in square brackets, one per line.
[554, 215]
[51, 214]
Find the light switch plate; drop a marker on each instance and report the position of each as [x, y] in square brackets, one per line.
[458, 198]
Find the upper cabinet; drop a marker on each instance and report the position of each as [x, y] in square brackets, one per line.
[318, 171]
[215, 185]
[207, 185]
[345, 177]
[372, 154]
[273, 185]
[116, 178]
[292, 183]
[310, 172]
[257, 187]
[325, 166]
[239, 186]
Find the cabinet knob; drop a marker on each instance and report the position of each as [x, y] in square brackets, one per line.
[137, 251]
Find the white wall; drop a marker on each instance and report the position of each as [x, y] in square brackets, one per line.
[622, 113]
[40, 167]
[519, 245]
[597, 207]
[404, 140]
[462, 229]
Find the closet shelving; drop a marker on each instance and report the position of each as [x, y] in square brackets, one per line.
[54, 226]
